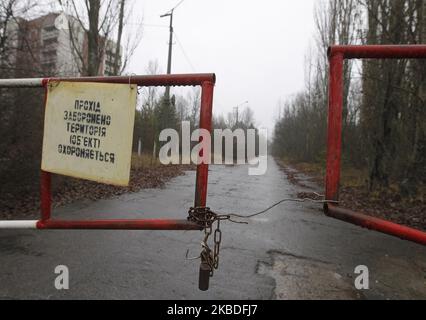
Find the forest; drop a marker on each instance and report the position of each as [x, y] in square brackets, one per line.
[384, 112]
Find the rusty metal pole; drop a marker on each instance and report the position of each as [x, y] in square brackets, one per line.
[119, 224]
[376, 224]
[45, 181]
[46, 195]
[334, 142]
[205, 123]
[380, 51]
[160, 80]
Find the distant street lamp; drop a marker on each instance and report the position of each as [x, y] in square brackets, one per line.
[237, 109]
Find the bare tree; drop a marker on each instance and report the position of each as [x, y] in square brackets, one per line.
[130, 40]
[6, 15]
[99, 21]
[194, 101]
[119, 36]
[392, 114]
[150, 94]
[13, 35]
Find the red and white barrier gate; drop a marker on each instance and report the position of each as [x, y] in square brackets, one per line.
[206, 81]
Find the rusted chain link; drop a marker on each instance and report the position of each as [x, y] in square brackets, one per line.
[206, 218]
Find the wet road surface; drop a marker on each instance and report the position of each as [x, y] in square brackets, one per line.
[293, 252]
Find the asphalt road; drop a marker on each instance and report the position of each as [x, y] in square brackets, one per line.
[294, 252]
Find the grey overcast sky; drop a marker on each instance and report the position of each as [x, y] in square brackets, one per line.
[256, 48]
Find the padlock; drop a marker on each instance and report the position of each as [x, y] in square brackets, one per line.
[203, 282]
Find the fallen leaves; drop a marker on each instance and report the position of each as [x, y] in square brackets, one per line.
[387, 205]
[19, 205]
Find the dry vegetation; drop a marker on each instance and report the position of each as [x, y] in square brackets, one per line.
[146, 173]
[387, 203]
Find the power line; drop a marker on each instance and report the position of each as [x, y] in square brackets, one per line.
[170, 12]
[178, 5]
[184, 53]
[147, 25]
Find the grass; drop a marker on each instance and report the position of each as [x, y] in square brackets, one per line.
[355, 178]
[144, 161]
[386, 203]
[349, 177]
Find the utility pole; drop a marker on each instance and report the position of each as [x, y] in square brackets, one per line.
[169, 59]
[236, 115]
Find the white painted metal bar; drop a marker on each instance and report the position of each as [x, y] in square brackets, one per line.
[19, 224]
[21, 83]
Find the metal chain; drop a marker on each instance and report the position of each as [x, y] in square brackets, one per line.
[217, 242]
[206, 219]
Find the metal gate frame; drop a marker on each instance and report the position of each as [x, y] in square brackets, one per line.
[337, 55]
[206, 81]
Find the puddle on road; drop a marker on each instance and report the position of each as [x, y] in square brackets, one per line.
[299, 278]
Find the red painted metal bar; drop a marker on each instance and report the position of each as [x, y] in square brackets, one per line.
[205, 123]
[337, 54]
[206, 81]
[147, 224]
[380, 51]
[334, 127]
[148, 81]
[45, 184]
[376, 224]
[46, 195]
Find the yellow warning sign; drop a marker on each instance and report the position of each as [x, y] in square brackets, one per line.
[88, 130]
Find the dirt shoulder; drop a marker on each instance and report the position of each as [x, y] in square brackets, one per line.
[25, 205]
[387, 205]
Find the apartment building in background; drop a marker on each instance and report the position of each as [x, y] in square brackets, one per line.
[43, 46]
